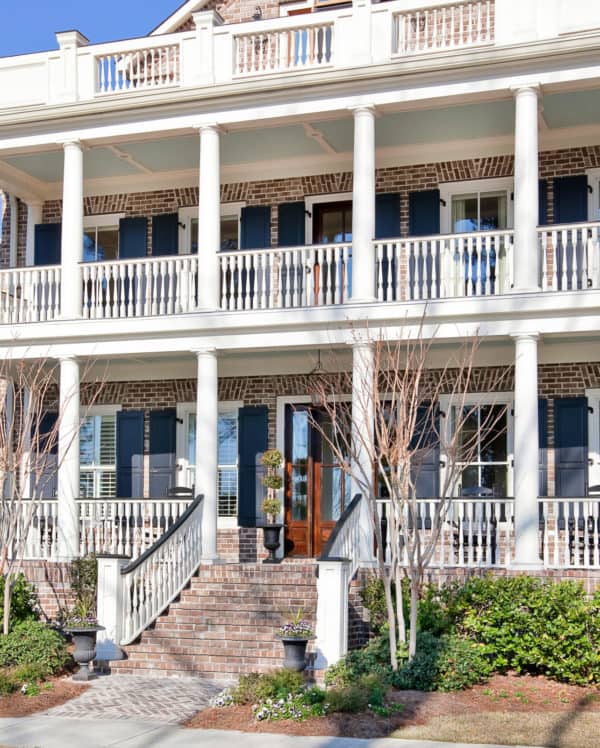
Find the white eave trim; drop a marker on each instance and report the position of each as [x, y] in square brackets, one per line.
[174, 21]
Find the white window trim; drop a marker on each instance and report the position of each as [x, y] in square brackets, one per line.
[593, 176]
[100, 410]
[311, 200]
[482, 398]
[182, 464]
[285, 8]
[593, 397]
[449, 189]
[185, 216]
[101, 220]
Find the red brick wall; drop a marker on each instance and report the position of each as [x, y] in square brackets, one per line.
[52, 581]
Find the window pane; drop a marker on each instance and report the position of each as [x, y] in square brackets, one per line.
[108, 243]
[89, 245]
[331, 493]
[493, 434]
[227, 492]
[228, 439]
[299, 436]
[299, 492]
[191, 438]
[86, 484]
[108, 440]
[493, 211]
[464, 213]
[229, 233]
[194, 228]
[86, 441]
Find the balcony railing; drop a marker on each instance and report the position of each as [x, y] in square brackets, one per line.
[406, 269]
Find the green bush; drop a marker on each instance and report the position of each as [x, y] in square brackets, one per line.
[373, 659]
[255, 687]
[31, 673]
[348, 699]
[24, 604]
[34, 643]
[8, 683]
[535, 626]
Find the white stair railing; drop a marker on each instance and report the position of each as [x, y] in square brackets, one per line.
[151, 583]
[344, 541]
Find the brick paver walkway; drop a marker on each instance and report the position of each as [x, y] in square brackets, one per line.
[166, 700]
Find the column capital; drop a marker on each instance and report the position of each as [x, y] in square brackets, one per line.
[533, 87]
[525, 336]
[364, 109]
[208, 127]
[71, 142]
[68, 357]
[208, 351]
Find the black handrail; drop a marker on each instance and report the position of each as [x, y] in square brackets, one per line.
[325, 554]
[163, 538]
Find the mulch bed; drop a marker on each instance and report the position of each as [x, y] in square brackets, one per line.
[503, 693]
[63, 689]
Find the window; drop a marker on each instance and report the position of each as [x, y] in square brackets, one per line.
[594, 195]
[98, 454]
[478, 205]
[230, 228]
[227, 483]
[101, 238]
[486, 423]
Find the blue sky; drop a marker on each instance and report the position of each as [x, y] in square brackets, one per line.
[29, 25]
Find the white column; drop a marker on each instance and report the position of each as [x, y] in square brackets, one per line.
[34, 216]
[68, 459]
[332, 612]
[209, 219]
[72, 231]
[526, 452]
[14, 231]
[207, 449]
[526, 250]
[362, 440]
[363, 205]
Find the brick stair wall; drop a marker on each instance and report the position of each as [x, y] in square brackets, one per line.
[224, 622]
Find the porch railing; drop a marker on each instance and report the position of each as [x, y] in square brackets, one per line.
[474, 533]
[570, 256]
[121, 526]
[443, 27]
[570, 532]
[286, 277]
[29, 294]
[139, 288]
[128, 67]
[442, 266]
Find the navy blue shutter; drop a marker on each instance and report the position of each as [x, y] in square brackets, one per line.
[387, 215]
[162, 451]
[45, 486]
[542, 202]
[424, 213]
[291, 224]
[428, 458]
[543, 445]
[132, 238]
[571, 446]
[165, 234]
[570, 199]
[252, 440]
[130, 454]
[256, 227]
[47, 244]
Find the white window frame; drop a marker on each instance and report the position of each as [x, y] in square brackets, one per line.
[593, 214]
[183, 467]
[311, 200]
[100, 410]
[593, 398]
[481, 398]
[448, 190]
[185, 216]
[101, 221]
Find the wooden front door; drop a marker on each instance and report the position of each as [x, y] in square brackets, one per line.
[316, 489]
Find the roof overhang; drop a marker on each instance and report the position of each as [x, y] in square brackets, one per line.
[178, 17]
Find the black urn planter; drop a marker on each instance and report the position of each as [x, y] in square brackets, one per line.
[271, 541]
[294, 652]
[84, 638]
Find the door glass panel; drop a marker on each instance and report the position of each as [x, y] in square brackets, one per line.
[300, 445]
[332, 491]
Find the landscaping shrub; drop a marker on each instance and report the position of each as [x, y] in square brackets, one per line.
[24, 603]
[530, 625]
[373, 659]
[296, 706]
[367, 692]
[8, 683]
[34, 643]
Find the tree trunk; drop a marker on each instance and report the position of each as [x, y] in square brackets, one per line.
[387, 586]
[7, 603]
[414, 607]
[400, 608]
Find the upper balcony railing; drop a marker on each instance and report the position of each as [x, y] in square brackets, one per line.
[212, 53]
[476, 264]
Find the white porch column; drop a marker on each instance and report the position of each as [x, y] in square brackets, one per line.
[526, 251]
[34, 216]
[362, 437]
[363, 205]
[207, 449]
[526, 451]
[209, 218]
[68, 459]
[72, 231]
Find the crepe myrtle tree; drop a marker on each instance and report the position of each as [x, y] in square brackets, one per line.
[28, 456]
[409, 432]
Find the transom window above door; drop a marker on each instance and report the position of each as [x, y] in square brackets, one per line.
[479, 205]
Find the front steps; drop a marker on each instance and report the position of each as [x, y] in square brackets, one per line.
[224, 622]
